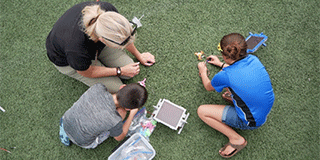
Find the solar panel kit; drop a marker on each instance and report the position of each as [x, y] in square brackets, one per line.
[254, 41]
[170, 114]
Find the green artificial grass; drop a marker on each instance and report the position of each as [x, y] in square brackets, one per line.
[35, 95]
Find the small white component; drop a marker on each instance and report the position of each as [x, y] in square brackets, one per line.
[2, 109]
[137, 21]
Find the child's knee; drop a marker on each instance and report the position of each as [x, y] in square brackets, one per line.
[201, 111]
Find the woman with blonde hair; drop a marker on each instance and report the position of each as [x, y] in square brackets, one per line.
[87, 44]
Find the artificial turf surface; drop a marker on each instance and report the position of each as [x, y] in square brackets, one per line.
[35, 95]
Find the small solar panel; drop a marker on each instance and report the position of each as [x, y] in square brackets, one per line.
[254, 41]
[170, 114]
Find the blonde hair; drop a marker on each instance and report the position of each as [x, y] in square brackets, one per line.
[112, 25]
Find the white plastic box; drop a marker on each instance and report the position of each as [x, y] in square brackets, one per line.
[136, 147]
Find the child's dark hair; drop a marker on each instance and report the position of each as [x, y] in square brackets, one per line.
[234, 46]
[132, 96]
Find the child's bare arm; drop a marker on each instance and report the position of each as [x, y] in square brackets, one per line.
[126, 125]
[204, 77]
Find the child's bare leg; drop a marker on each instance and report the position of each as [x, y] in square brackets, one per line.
[122, 112]
[212, 115]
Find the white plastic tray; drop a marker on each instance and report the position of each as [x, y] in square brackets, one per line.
[136, 147]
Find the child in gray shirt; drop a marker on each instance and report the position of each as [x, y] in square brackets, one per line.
[98, 114]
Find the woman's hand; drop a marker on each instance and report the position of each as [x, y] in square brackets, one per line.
[130, 70]
[214, 60]
[202, 68]
[147, 59]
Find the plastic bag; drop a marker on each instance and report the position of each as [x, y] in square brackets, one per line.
[141, 124]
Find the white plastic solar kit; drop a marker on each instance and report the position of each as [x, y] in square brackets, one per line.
[170, 114]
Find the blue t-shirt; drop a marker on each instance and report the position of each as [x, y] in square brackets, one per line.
[251, 89]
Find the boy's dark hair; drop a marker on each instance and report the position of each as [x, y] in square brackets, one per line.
[132, 96]
[234, 46]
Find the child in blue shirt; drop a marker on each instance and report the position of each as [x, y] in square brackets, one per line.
[248, 87]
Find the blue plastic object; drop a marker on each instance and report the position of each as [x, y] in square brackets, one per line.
[254, 41]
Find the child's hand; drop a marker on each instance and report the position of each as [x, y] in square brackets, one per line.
[202, 68]
[214, 60]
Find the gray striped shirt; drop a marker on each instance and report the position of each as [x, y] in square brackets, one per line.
[94, 113]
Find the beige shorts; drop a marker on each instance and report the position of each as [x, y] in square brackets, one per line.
[109, 57]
